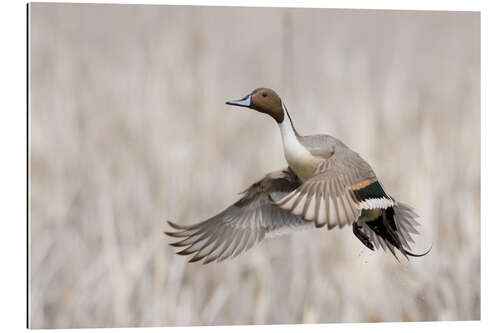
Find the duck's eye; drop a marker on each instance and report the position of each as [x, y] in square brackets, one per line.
[264, 94]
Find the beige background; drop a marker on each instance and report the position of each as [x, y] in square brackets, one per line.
[128, 127]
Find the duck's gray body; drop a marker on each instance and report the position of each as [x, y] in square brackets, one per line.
[321, 145]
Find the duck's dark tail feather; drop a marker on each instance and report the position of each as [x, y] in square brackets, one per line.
[417, 254]
[393, 230]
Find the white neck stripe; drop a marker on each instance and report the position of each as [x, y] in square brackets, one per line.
[293, 148]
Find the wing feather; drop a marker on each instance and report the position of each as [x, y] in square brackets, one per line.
[329, 196]
[245, 223]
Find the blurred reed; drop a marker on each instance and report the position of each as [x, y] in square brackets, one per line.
[128, 127]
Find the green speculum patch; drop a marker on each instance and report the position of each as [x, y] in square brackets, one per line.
[372, 191]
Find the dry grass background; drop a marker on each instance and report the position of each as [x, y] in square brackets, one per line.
[128, 128]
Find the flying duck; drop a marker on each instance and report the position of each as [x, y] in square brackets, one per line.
[325, 184]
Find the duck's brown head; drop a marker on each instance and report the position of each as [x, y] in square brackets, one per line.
[264, 100]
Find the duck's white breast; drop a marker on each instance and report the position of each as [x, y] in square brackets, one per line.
[302, 162]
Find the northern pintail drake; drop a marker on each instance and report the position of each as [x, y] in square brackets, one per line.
[325, 184]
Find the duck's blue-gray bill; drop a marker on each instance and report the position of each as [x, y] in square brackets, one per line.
[245, 101]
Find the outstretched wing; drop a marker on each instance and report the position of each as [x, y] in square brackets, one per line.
[342, 186]
[243, 224]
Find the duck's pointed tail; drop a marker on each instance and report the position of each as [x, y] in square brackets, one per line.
[393, 229]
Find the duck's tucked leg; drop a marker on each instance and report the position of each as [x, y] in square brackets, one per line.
[357, 230]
